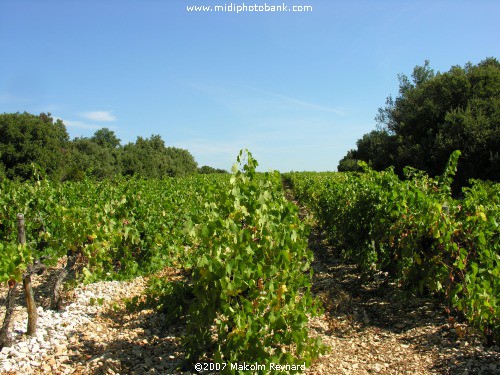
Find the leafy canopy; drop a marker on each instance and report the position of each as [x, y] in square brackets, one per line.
[433, 115]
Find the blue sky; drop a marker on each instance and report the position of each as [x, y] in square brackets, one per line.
[296, 88]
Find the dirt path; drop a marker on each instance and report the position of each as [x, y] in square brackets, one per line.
[373, 328]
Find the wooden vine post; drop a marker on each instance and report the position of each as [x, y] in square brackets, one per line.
[5, 336]
[28, 290]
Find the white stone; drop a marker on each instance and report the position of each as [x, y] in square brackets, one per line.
[6, 366]
[5, 350]
[24, 349]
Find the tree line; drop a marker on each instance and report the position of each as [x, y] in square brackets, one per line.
[27, 139]
[433, 115]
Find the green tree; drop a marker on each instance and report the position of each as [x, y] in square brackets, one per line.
[209, 170]
[106, 138]
[435, 114]
[374, 148]
[149, 157]
[26, 139]
[182, 162]
[91, 158]
[146, 157]
[349, 163]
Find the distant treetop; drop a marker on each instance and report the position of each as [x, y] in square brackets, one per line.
[433, 115]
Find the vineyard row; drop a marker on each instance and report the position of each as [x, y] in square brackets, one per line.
[414, 230]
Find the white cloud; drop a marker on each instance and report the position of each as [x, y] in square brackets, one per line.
[204, 147]
[301, 102]
[232, 96]
[80, 125]
[102, 116]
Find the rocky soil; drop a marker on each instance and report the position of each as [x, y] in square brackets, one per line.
[370, 327]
